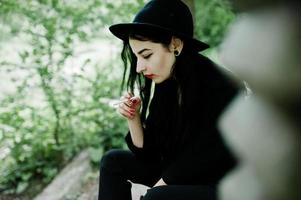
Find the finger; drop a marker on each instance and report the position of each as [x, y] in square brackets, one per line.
[135, 102]
[122, 111]
[127, 94]
[125, 113]
[128, 103]
[122, 98]
[127, 108]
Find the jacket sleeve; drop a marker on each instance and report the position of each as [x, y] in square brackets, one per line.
[148, 152]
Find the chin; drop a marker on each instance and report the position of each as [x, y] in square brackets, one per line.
[158, 81]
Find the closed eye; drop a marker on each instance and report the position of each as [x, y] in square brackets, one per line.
[147, 56]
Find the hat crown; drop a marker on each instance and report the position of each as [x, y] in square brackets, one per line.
[165, 16]
[173, 15]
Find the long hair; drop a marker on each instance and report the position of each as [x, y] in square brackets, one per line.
[130, 77]
[180, 73]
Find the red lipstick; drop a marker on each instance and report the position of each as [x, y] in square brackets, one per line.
[150, 76]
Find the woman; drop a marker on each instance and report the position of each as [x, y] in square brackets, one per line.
[175, 147]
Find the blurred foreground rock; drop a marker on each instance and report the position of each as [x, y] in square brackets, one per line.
[69, 180]
[264, 130]
[77, 181]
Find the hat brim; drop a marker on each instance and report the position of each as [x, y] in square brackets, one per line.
[123, 30]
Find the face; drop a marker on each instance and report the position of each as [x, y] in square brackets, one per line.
[153, 59]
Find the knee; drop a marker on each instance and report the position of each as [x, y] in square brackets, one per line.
[113, 160]
[110, 160]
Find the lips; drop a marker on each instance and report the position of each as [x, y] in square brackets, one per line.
[150, 76]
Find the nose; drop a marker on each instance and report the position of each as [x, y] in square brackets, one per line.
[141, 66]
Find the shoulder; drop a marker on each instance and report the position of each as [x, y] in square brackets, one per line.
[212, 75]
[198, 65]
[203, 70]
[209, 83]
[207, 67]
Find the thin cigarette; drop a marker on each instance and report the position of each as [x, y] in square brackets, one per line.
[119, 102]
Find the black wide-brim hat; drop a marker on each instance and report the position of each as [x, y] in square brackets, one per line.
[172, 17]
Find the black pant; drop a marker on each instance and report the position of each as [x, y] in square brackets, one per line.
[119, 166]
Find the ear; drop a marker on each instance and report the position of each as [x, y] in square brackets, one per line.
[176, 44]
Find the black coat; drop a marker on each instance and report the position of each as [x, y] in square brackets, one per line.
[184, 139]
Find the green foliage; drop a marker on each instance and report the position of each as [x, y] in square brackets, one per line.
[34, 152]
[69, 114]
[212, 19]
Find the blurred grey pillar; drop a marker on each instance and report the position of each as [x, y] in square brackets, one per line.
[264, 130]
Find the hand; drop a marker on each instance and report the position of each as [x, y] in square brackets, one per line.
[160, 183]
[130, 106]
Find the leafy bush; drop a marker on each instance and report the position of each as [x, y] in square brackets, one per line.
[52, 114]
[212, 20]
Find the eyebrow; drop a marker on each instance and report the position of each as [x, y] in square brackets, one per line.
[141, 51]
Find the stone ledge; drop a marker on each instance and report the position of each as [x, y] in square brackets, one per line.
[68, 180]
